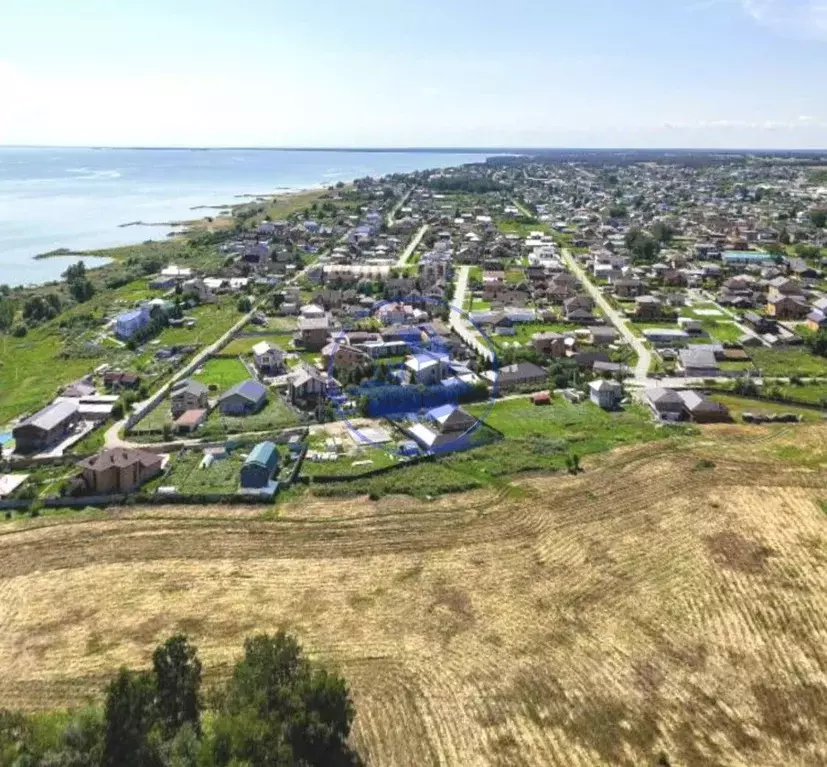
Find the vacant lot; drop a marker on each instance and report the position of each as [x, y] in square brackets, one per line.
[275, 415]
[187, 476]
[245, 344]
[221, 373]
[211, 322]
[668, 602]
[788, 362]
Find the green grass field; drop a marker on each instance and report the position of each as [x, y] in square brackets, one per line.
[475, 304]
[507, 226]
[638, 327]
[536, 439]
[815, 393]
[245, 345]
[782, 363]
[220, 373]
[275, 415]
[211, 322]
[379, 457]
[33, 368]
[524, 332]
[740, 405]
[186, 476]
[723, 332]
[693, 311]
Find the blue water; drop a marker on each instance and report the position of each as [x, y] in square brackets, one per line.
[77, 198]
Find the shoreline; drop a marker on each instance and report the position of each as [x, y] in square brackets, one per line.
[179, 228]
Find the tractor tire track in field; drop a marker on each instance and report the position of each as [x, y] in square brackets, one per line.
[652, 605]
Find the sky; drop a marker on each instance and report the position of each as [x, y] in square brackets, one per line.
[421, 73]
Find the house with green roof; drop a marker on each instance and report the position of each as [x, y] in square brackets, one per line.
[260, 466]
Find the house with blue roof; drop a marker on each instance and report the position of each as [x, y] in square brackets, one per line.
[746, 257]
[444, 428]
[260, 466]
[129, 323]
[244, 398]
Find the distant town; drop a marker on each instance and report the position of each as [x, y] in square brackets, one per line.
[515, 315]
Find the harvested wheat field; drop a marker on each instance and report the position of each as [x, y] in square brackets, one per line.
[668, 603]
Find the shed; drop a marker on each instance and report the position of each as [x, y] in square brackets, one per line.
[260, 466]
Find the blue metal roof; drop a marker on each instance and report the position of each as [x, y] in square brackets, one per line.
[249, 389]
[263, 454]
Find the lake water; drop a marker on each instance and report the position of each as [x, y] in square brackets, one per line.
[77, 198]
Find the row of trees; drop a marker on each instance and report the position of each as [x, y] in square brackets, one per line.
[277, 708]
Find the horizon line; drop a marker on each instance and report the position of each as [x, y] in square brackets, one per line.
[400, 149]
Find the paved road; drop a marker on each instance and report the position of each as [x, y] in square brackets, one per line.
[412, 246]
[396, 208]
[523, 209]
[707, 296]
[644, 356]
[112, 437]
[457, 318]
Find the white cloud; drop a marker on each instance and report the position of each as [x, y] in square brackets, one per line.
[801, 18]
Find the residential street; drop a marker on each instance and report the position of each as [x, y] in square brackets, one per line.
[391, 217]
[412, 246]
[113, 438]
[644, 356]
[457, 319]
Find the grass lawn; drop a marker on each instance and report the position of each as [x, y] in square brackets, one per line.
[245, 345]
[274, 416]
[32, 369]
[514, 276]
[693, 311]
[92, 442]
[343, 466]
[536, 439]
[277, 325]
[723, 332]
[638, 327]
[211, 322]
[740, 405]
[475, 304]
[155, 420]
[813, 393]
[507, 226]
[186, 476]
[220, 373]
[783, 363]
[737, 365]
[475, 273]
[525, 330]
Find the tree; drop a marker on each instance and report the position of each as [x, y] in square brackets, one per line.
[81, 743]
[663, 232]
[244, 304]
[39, 309]
[80, 287]
[7, 312]
[178, 679]
[280, 709]
[817, 343]
[642, 246]
[618, 211]
[129, 717]
[818, 218]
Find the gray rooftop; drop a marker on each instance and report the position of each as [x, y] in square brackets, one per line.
[52, 415]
